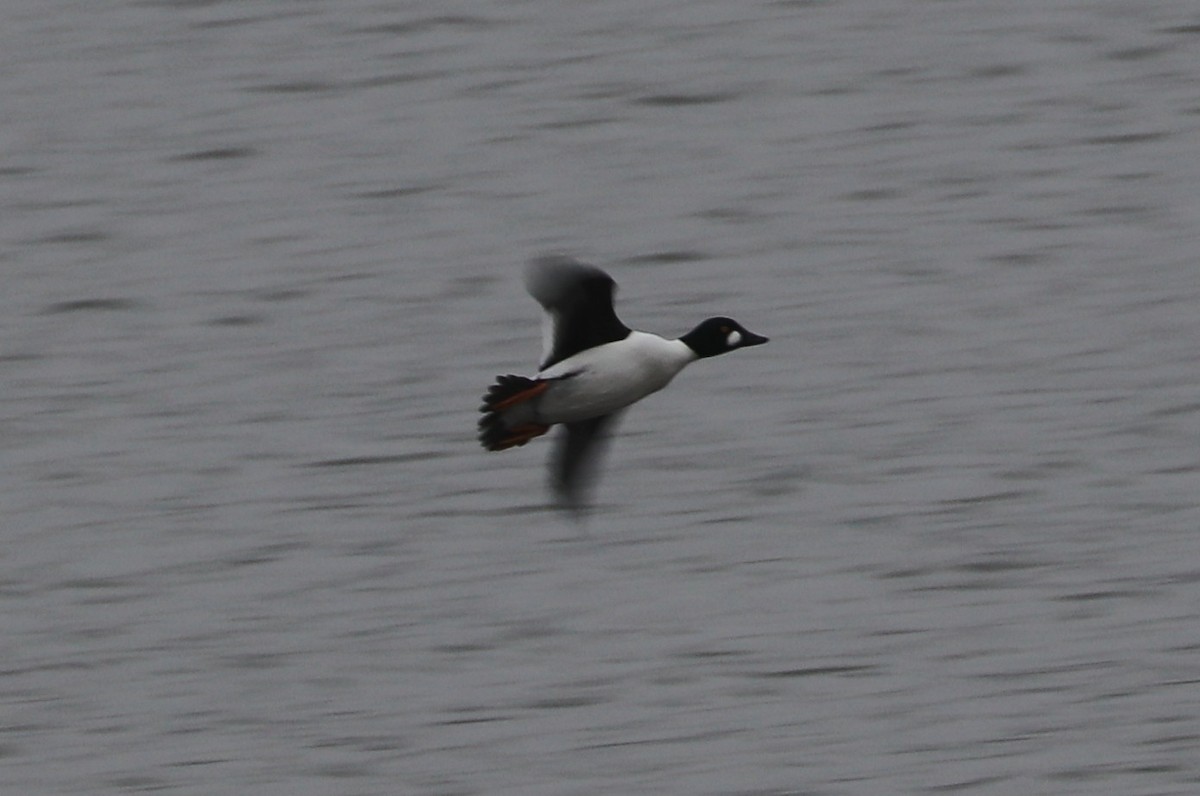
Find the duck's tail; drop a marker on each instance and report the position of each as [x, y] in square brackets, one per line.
[509, 419]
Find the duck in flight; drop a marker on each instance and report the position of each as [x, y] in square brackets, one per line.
[593, 367]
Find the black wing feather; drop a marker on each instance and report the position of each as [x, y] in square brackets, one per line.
[576, 459]
[579, 299]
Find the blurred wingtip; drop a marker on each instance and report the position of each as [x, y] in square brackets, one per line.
[576, 461]
[551, 278]
[572, 496]
[545, 275]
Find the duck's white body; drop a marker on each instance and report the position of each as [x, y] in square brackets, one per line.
[610, 377]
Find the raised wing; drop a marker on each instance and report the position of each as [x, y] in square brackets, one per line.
[578, 300]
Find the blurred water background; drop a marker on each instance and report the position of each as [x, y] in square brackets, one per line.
[260, 260]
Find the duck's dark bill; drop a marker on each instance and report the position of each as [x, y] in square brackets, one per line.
[750, 338]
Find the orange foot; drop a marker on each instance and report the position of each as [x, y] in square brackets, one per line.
[520, 435]
[524, 395]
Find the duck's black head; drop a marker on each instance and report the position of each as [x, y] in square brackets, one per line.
[720, 335]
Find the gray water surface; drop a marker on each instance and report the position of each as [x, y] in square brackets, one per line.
[260, 260]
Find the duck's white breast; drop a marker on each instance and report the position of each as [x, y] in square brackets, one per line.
[612, 376]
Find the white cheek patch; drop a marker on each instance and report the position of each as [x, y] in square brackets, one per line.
[733, 339]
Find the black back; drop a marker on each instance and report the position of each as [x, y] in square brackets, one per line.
[579, 300]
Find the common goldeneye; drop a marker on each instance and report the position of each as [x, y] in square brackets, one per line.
[593, 366]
